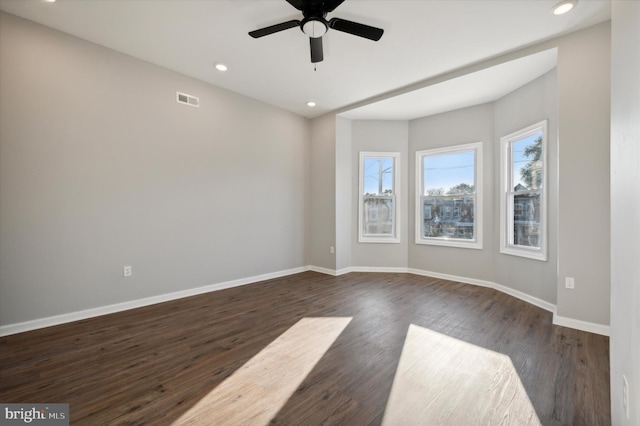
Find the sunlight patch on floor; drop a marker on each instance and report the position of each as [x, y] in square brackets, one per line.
[445, 381]
[255, 393]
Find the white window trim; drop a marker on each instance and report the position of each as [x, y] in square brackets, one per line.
[506, 210]
[395, 237]
[476, 243]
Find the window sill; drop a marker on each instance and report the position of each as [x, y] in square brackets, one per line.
[379, 240]
[450, 243]
[535, 254]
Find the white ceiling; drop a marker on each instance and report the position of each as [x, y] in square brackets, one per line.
[422, 39]
[471, 89]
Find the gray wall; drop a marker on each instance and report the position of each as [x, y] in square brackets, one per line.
[583, 146]
[322, 216]
[101, 168]
[625, 209]
[344, 193]
[528, 105]
[380, 136]
[463, 126]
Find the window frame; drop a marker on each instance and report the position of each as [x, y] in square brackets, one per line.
[507, 244]
[476, 242]
[394, 237]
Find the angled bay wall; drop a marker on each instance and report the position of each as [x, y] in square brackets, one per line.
[582, 83]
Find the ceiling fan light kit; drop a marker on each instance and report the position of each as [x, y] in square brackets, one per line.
[314, 25]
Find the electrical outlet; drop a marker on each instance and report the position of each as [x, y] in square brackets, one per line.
[625, 395]
[570, 283]
[332, 250]
[127, 271]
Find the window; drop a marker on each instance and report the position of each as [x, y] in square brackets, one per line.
[379, 197]
[449, 196]
[523, 179]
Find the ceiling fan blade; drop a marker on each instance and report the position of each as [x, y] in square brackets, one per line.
[355, 28]
[274, 28]
[330, 5]
[316, 49]
[298, 4]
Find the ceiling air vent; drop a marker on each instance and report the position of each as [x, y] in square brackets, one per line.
[183, 98]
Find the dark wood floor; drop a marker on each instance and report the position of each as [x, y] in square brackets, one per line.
[151, 365]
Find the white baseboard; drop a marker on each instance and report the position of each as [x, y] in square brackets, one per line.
[581, 325]
[448, 277]
[473, 281]
[6, 330]
[482, 283]
[322, 270]
[387, 269]
[9, 329]
[557, 320]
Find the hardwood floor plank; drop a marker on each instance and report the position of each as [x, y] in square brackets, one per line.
[153, 364]
[255, 392]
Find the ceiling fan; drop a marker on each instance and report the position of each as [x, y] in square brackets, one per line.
[315, 25]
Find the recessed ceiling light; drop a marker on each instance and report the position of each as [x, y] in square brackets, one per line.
[50, 1]
[311, 104]
[564, 6]
[221, 67]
